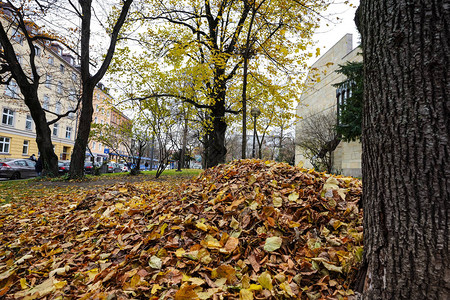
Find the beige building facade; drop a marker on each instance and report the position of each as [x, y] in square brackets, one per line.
[320, 97]
[58, 93]
[105, 114]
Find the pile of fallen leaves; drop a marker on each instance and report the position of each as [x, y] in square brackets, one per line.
[246, 230]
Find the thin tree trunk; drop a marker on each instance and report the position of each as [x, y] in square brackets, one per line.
[244, 87]
[406, 148]
[183, 146]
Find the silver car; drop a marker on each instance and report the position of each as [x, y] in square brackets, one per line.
[17, 168]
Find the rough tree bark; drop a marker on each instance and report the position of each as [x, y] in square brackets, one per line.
[406, 148]
[216, 150]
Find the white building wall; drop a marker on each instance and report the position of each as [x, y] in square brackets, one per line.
[319, 96]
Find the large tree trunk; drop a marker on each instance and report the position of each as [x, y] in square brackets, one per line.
[43, 133]
[84, 127]
[406, 148]
[216, 150]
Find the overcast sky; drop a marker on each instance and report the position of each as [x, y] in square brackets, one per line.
[327, 36]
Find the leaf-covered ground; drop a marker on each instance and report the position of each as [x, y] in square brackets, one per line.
[246, 230]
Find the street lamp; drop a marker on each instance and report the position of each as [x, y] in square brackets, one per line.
[255, 112]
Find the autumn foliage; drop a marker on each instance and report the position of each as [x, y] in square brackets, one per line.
[246, 230]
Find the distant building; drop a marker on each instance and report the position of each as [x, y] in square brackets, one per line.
[319, 96]
[58, 93]
[106, 113]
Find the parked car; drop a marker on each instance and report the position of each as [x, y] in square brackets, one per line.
[123, 168]
[17, 168]
[113, 167]
[63, 167]
[88, 167]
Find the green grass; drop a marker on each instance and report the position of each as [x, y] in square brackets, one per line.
[173, 173]
[12, 190]
[185, 173]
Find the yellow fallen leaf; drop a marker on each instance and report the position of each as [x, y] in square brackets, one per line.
[293, 197]
[245, 294]
[60, 284]
[196, 281]
[208, 294]
[155, 288]
[266, 281]
[273, 243]
[179, 253]
[255, 287]
[277, 201]
[23, 283]
[39, 291]
[201, 226]
[210, 242]
[234, 224]
[287, 288]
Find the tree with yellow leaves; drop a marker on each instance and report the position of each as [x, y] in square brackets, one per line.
[194, 51]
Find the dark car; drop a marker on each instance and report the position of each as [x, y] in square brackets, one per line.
[88, 167]
[17, 168]
[63, 167]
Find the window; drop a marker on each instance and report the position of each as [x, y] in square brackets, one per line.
[74, 76]
[96, 108]
[11, 89]
[58, 108]
[17, 37]
[46, 102]
[48, 80]
[68, 132]
[61, 68]
[342, 94]
[55, 129]
[25, 147]
[99, 146]
[51, 60]
[71, 115]
[19, 59]
[37, 50]
[28, 122]
[8, 116]
[72, 95]
[20, 163]
[101, 122]
[93, 145]
[95, 120]
[59, 88]
[4, 144]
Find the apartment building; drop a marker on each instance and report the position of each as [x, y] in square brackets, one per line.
[321, 97]
[58, 93]
[106, 114]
